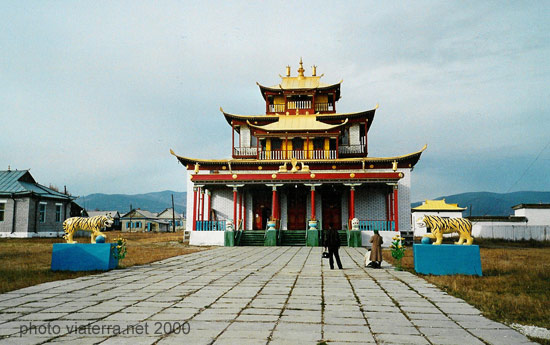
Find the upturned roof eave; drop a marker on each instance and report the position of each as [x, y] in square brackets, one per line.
[279, 87]
[368, 114]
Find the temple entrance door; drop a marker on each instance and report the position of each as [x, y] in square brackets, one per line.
[296, 208]
[261, 206]
[332, 209]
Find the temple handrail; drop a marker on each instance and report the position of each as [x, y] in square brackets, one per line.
[211, 225]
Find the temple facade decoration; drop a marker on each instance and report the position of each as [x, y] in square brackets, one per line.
[302, 164]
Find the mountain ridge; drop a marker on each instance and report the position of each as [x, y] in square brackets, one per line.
[153, 201]
[492, 204]
[477, 203]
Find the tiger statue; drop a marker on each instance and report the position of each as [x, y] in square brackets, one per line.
[440, 226]
[93, 224]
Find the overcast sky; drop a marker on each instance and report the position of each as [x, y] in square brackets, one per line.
[94, 94]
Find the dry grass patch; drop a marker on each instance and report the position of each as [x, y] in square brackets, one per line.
[515, 286]
[26, 262]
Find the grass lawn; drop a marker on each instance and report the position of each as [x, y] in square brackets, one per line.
[26, 262]
[515, 287]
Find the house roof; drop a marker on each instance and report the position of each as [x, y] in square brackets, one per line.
[21, 182]
[512, 219]
[143, 214]
[438, 205]
[167, 214]
[535, 206]
[114, 214]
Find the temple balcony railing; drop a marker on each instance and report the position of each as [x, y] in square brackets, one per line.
[298, 154]
[345, 149]
[379, 225]
[277, 108]
[299, 105]
[319, 107]
[249, 152]
[210, 225]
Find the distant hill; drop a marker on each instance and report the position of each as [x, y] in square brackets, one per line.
[493, 204]
[154, 202]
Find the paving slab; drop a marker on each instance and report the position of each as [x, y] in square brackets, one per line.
[246, 295]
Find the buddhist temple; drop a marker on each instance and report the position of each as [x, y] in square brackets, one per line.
[297, 169]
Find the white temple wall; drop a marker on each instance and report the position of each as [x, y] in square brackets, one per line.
[354, 135]
[370, 202]
[535, 216]
[189, 206]
[245, 136]
[283, 204]
[249, 211]
[222, 203]
[404, 200]
[511, 232]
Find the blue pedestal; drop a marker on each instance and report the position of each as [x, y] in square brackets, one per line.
[447, 259]
[83, 257]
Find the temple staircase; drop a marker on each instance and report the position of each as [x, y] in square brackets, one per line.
[250, 238]
[343, 237]
[293, 238]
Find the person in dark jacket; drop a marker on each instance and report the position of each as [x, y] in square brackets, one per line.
[332, 242]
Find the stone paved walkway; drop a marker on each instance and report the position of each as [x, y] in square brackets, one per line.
[246, 295]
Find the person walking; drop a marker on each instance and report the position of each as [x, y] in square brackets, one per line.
[376, 250]
[332, 242]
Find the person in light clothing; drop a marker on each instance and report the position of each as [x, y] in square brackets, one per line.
[376, 250]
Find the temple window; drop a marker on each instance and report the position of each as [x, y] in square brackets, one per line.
[344, 138]
[2, 210]
[42, 210]
[298, 143]
[276, 144]
[318, 143]
[58, 212]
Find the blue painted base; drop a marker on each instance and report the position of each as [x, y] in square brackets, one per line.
[83, 257]
[447, 259]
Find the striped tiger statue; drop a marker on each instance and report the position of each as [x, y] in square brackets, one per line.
[93, 224]
[440, 226]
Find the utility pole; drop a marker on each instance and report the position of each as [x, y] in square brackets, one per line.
[173, 215]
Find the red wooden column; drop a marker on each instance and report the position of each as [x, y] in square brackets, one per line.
[352, 201]
[274, 203]
[194, 208]
[312, 203]
[209, 205]
[395, 208]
